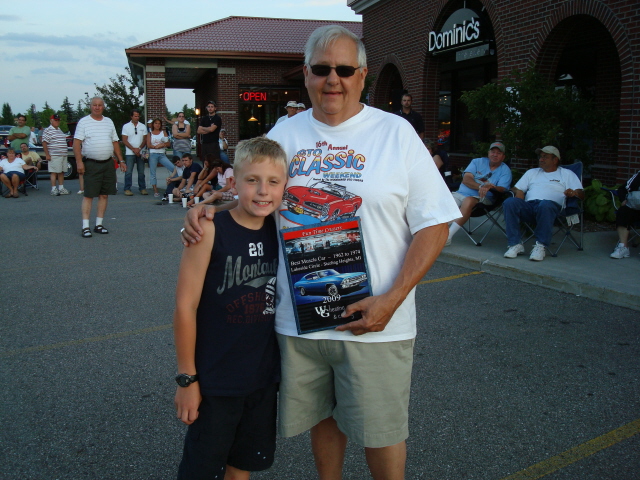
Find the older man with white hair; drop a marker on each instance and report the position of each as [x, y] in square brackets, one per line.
[94, 144]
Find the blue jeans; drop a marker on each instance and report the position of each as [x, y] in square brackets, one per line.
[128, 175]
[154, 159]
[178, 153]
[542, 212]
[223, 156]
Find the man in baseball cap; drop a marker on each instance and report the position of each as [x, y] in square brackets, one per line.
[539, 196]
[292, 109]
[301, 107]
[482, 175]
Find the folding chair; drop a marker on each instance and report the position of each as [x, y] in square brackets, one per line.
[493, 214]
[570, 218]
[22, 188]
[616, 198]
[30, 180]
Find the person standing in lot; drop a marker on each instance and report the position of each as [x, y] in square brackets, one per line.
[19, 134]
[54, 142]
[181, 131]
[134, 137]
[210, 126]
[94, 144]
[410, 115]
[224, 146]
[157, 143]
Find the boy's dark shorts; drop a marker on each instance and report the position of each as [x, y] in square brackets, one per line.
[236, 431]
[99, 178]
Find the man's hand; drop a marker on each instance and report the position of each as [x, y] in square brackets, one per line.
[192, 233]
[187, 401]
[80, 167]
[376, 314]
[123, 166]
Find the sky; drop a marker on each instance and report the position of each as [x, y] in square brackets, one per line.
[58, 48]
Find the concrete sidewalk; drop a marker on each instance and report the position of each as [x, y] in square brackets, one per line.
[590, 273]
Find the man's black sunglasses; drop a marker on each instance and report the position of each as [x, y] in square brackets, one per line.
[325, 70]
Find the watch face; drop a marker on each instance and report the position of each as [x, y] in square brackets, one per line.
[184, 380]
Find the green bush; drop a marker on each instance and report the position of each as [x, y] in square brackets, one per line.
[598, 204]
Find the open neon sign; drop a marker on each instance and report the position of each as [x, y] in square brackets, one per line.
[254, 96]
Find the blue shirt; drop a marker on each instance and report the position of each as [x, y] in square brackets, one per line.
[479, 168]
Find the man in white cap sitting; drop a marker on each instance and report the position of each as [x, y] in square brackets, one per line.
[539, 195]
[292, 109]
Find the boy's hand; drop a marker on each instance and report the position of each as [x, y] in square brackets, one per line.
[192, 233]
[187, 402]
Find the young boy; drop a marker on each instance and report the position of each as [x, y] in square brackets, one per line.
[228, 357]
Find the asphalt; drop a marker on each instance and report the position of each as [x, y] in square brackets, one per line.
[589, 273]
[507, 375]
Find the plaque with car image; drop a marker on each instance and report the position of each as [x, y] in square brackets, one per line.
[327, 270]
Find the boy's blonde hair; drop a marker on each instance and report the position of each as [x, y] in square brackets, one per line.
[257, 150]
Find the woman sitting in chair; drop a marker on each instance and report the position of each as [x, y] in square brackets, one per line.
[625, 217]
[12, 172]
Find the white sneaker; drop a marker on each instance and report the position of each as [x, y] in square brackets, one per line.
[54, 192]
[63, 191]
[620, 252]
[514, 251]
[80, 192]
[537, 253]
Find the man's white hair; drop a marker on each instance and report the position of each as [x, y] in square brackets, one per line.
[322, 37]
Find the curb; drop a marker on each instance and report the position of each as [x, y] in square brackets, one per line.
[574, 287]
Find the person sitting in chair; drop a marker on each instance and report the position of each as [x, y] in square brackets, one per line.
[625, 217]
[482, 175]
[12, 172]
[539, 195]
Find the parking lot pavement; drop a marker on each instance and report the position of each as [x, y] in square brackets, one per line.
[507, 375]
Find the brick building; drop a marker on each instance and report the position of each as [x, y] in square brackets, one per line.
[413, 45]
[251, 67]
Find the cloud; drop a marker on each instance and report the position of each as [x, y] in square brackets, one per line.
[9, 18]
[81, 41]
[43, 56]
[49, 71]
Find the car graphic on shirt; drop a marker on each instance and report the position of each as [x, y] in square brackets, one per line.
[322, 200]
[329, 282]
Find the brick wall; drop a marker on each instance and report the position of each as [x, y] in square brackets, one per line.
[526, 32]
[155, 91]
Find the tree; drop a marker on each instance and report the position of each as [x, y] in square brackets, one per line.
[67, 109]
[120, 96]
[529, 112]
[189, 115]
[7, 115]
[32, 116]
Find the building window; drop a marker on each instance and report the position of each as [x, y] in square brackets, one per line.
[260, 107]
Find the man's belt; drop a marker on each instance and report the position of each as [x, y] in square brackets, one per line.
[94, 160]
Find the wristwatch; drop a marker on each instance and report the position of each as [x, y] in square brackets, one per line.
[185, 380]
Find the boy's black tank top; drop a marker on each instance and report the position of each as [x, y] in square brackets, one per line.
[236, 348]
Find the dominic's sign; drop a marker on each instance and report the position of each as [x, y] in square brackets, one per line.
[460, 35]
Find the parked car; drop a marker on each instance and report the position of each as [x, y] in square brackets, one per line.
[4, 134]
[330, 282]
[323, 200]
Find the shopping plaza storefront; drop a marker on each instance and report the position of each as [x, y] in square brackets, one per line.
[436, 49]
[251, 67]
[433, 49]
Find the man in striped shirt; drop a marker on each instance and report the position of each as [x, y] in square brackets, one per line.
[54, 142]
[94, 143]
